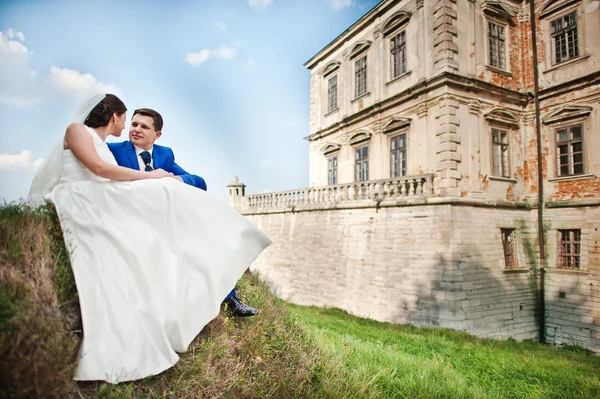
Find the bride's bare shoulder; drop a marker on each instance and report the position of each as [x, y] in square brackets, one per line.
[75, 133]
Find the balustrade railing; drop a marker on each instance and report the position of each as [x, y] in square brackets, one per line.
[399, 187]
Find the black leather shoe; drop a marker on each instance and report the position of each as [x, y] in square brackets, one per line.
[239, 308]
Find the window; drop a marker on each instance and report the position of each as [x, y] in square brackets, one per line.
[509, 246]
[360, 77]
[332, 94]
[332, 170]
[398, 155]
[497, 45]
[569, 249]
[565, 42]
[569, 151]
[362, 163]
[398, 49]
[500, 153]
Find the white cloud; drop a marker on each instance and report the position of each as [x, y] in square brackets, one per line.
[223, 52]
[20, 162]
[260, 4]
[339, 4]
[18, 82]
[73, 84]
[21, 86]
[251, 61]
[265, 162]
[220, 25]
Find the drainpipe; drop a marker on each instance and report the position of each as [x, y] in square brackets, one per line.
[540, 207]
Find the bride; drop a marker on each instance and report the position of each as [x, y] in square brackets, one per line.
[152, 257]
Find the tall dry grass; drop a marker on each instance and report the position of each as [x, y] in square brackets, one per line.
[263, 356]
[38, 338]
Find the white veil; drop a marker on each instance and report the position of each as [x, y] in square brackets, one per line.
[48, 173]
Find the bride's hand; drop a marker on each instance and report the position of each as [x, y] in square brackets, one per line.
[160, 173]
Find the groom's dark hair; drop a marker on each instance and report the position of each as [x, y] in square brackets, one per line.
[158, 121]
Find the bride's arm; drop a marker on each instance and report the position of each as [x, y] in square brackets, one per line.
[80, 143]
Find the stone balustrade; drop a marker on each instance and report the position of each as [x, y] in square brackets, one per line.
[373, 190]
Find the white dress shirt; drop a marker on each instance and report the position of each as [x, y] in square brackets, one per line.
[141, 163]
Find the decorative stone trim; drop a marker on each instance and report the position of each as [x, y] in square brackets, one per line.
[495, 8]
[503, 117]
[556, 5]
[330, 68]
[359, 138]
[566, 113]
[475, 107]
[330, 148]
[395, 22]
[359, 48]
[571, 177]
[501, 179]
[395, 123]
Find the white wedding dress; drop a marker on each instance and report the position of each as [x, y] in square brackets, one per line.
[152, 260]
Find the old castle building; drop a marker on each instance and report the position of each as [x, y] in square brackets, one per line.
[424, 200]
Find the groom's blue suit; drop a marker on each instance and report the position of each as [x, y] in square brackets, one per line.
[163, 159]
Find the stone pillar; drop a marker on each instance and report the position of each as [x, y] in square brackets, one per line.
[445, 32]
[237, 190]
[448, 140]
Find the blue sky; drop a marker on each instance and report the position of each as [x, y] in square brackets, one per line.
[227, 76]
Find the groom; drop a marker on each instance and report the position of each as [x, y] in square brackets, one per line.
[140, 152]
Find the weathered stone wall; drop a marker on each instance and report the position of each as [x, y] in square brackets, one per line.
[573, 296]
[436, 265]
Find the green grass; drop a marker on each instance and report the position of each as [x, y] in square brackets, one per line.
[285, 351]
[383, 360]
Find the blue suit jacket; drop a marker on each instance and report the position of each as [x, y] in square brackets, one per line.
[163, 159]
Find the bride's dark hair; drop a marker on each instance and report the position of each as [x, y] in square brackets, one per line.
[101, 114]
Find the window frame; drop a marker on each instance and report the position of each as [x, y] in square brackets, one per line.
[329, 102]
[332, 177]
[357, 73]
[398, 135]
[404, 68]
[505, 50]
[553, 35]
[361, 160]
[493, 146]
[509, 244]
[574, 253]
[569, 142]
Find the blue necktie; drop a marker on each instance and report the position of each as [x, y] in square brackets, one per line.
[147, 158]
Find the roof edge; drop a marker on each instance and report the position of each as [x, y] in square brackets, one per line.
[368, 14]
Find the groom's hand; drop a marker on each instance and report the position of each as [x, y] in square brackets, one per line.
[177, 178]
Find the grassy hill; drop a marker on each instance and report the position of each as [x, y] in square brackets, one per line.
[285, 351]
